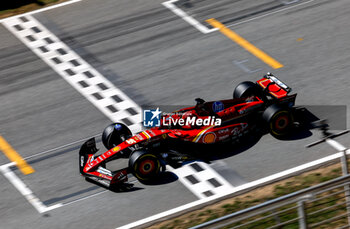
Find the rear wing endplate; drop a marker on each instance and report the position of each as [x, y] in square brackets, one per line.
[278, 82]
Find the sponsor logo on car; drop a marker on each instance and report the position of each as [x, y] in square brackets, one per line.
[209, 138]
[218, 106]
[104, 176]
[223, 137]
[238, 130]
[116, 149]
[130, 141]
[139, 136]
[223, 131]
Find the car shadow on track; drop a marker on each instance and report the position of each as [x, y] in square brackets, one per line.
[164, 178]
[127, 187]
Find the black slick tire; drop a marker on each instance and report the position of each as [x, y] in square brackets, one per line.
[115, 134]
[279, 120]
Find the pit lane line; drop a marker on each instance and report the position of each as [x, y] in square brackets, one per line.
[24, 190]
[5, 169]
[202, 28]
[31, 197]
[190, 20]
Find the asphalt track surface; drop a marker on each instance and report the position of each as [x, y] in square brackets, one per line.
[155, 57]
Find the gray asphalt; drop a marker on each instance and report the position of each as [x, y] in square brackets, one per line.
[157, 58]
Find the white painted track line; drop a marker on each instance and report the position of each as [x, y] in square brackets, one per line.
[60, 147]
[190, 20]
[24, 190]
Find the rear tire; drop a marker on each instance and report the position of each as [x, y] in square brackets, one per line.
[144, 165]
[245, 89]
[115, 134]
[279, 120]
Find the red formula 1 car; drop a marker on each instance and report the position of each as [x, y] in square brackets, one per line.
[265, 103]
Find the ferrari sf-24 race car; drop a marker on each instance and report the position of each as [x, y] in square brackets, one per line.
[264, 103]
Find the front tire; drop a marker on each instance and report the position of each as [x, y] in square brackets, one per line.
[115, 134]
[144, 165]
[279, 120]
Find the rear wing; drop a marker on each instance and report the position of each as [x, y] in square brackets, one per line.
[274, 86]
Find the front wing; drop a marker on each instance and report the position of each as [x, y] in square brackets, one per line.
[100, 175]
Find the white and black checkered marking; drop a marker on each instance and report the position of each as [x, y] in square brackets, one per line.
[117, 98]
[75, 63]
[70, 72]
[83, 84]
[82, 76]
[43, 49]
[89, 74]
[97, 96]
[61, 51]
[202, 180]
[208, 193]
[30, 38]
[127, 121]
[196, 167]
[48, 40]
[23, 19]
[18, 27]
[56, 60]
[132, 111]
[36, 29]
[192, 179]
[214, 182]
[112, 108]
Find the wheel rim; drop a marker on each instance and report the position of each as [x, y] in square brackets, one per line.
[280, 123]
[146, 167]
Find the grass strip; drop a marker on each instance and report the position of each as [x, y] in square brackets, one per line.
[15, 7]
